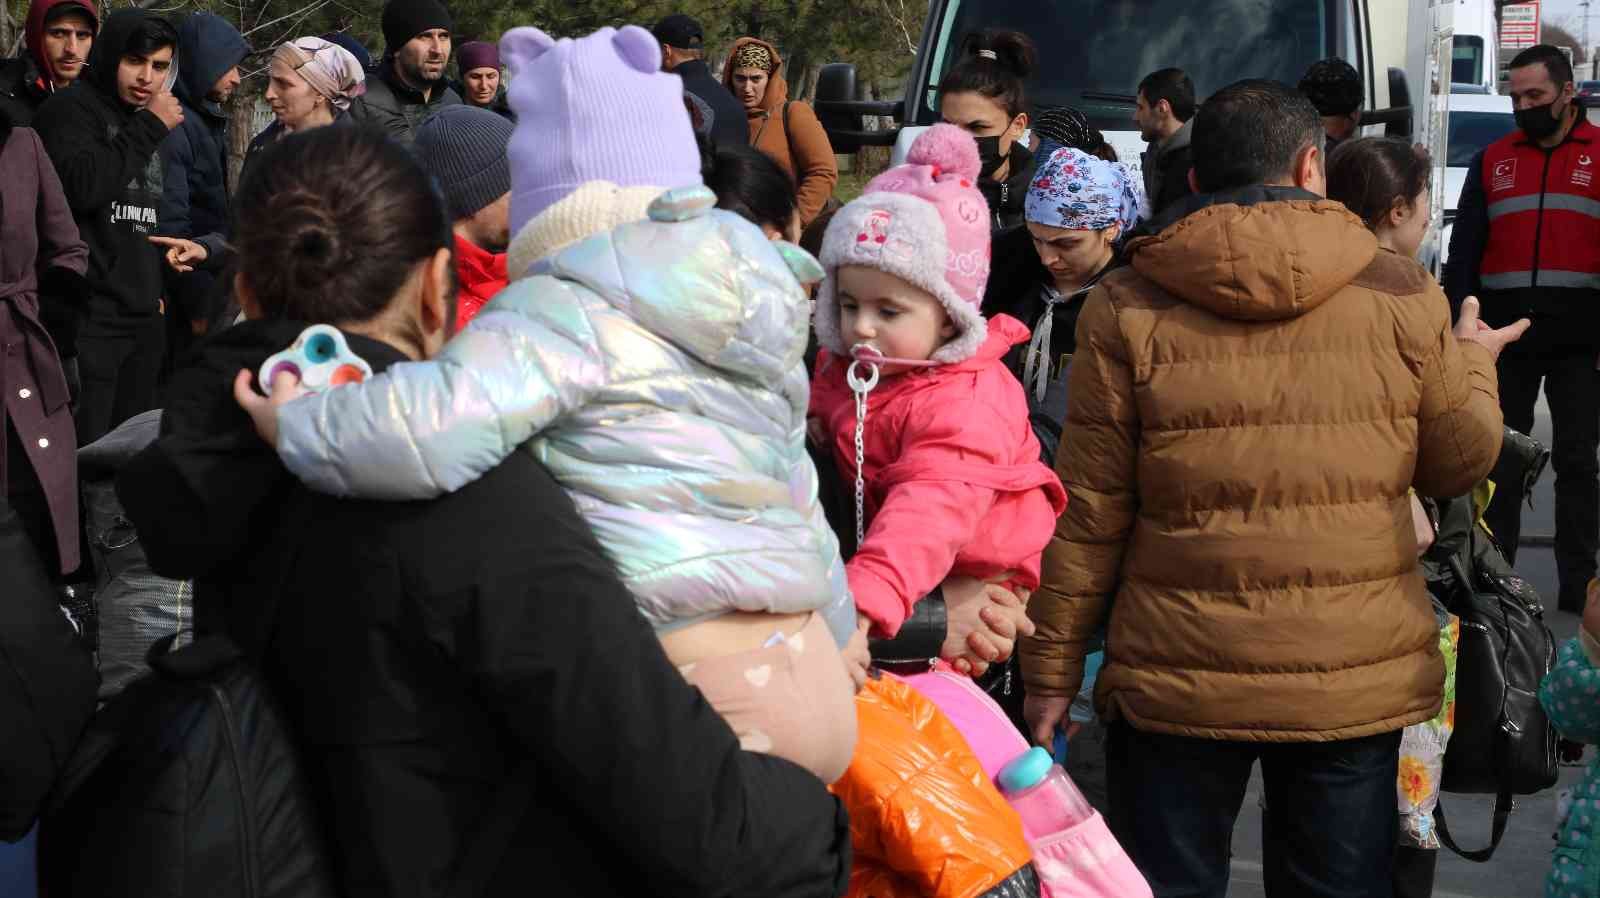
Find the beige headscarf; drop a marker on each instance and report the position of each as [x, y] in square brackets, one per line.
[329, 68]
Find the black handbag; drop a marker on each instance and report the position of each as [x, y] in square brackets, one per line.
[1502, 745]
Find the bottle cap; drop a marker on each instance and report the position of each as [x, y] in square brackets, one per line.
[1025, 771]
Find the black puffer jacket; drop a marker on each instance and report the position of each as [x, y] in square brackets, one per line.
[431, 655]
[396, 108]
[194, 201]
[47, 681]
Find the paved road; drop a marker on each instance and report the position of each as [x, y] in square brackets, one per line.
[1518, 868]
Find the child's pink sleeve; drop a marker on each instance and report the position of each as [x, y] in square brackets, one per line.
[935, 498]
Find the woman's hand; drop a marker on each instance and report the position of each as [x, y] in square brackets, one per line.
[1045, 714]
[984, 621]
[263, 410]
[857, 653]
[1591, 610]
[182, 255]
[1423, 525]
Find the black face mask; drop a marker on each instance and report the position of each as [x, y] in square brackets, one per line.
[1539, 122]
[989, 156]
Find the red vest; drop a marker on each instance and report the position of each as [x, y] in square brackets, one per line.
[1544, 212]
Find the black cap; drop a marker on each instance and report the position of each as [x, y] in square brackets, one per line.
[680, 31]
[405, 19]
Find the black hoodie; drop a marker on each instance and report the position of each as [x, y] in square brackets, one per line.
[431, 655]
[105, 154]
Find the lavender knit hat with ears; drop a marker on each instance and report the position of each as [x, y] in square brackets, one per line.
[595, 108]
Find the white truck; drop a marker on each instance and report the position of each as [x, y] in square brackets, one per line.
[1093, 53]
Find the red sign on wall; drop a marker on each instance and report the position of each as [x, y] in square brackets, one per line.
[1519, 25]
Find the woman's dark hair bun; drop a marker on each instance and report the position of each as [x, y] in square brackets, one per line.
[1013, 50]
[338, 219]
[994, 64]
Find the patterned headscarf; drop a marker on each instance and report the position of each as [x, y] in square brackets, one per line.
[330, 69]
[1080, 192]
[753, 56]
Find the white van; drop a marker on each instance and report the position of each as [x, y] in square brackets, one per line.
[1093, 53]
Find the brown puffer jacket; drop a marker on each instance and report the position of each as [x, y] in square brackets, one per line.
[1249, 403]
[801, 148]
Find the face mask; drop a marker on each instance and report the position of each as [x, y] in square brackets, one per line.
[1539, 122]
[989, 155]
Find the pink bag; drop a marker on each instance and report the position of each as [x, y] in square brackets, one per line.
[1082, 862]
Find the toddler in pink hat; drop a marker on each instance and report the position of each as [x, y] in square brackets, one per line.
[947, 475]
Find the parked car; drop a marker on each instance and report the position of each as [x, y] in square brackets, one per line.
[1588, 91]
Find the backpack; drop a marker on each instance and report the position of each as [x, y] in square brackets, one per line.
[187, 783]
[1503, 744]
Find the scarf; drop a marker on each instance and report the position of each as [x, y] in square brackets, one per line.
[330, 69]
[1080, 192]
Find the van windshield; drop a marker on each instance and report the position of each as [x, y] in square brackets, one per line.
[1103, 48]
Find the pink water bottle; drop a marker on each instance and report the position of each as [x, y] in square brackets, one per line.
[1042, 794]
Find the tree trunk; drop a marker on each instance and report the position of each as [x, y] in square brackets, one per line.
[241, 130]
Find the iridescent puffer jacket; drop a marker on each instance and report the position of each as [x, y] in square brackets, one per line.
[656, 370]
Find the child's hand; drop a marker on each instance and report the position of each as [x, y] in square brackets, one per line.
[263, 410]
[857, 654]
[984, 622]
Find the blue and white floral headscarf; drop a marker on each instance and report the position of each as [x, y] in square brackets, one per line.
[1080, 192]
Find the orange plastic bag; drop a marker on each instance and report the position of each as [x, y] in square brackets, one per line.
[924, 818]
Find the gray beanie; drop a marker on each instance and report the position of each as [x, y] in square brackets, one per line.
[464, 149]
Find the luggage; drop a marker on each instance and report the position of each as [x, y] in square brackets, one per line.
[133, 606]
[1502, 744]
[186, 783]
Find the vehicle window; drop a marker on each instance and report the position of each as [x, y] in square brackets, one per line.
[1104, 47]
[1466, 59]
[1470, 132]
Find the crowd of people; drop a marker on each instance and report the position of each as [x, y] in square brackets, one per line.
[660, 487]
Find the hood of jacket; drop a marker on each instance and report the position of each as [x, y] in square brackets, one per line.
[198, 492]
[713, 285]
[33, 32]
[210, 46]
[777, 86]
[1256, 254]
[105, 57]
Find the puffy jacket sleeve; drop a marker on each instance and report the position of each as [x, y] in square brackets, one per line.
[929, 510]
[177, 158]
[816, 170]
[631, 747]
[1468, 237]
[1459, 423]
[1568, 694]
[1098, 464]
[422, 429]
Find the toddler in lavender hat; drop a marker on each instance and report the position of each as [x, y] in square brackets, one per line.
[649, 352]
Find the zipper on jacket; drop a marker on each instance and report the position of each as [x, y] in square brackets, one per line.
[1538, 222]
[245, 811]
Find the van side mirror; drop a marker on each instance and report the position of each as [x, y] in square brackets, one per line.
[842, 114]
[1397, 118]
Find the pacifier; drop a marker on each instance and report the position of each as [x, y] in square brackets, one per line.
[320, 357]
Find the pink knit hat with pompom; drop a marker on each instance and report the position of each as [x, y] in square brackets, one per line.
[923, 222]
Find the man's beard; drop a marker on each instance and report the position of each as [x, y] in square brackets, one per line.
[415, 75]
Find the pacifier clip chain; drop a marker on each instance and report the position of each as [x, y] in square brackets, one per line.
[860, 387]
